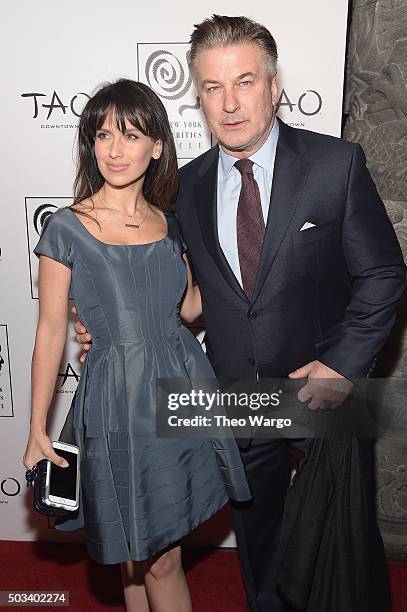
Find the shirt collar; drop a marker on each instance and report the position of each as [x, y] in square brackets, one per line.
[263, 157]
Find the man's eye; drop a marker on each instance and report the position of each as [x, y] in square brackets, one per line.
[213, 89]
[246, 83]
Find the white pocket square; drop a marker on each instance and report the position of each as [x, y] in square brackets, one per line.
[307, 225]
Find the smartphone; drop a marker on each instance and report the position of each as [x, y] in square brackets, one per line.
[62, 484]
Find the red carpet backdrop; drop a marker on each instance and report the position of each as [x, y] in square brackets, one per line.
[213, 577]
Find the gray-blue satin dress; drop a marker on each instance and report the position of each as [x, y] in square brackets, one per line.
[139, 493]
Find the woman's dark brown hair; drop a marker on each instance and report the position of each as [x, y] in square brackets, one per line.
[138, 104]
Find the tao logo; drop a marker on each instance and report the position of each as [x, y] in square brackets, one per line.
[75, 104]
[284, 100]
[69, 373]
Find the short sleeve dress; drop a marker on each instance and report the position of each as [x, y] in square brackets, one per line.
[139, 493]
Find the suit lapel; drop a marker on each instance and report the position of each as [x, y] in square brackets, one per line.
[206, 197]
[289, 177]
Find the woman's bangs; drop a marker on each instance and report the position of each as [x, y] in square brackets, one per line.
[133, 116]
[120, 115]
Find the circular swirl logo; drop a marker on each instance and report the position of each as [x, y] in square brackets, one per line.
[166, 75]
[41, 215]
[10, 489]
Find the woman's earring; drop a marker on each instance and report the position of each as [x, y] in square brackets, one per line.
[158, 149]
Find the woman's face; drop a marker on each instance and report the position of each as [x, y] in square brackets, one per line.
[123, 158]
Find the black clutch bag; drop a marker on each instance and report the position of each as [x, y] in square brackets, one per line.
[37, 477]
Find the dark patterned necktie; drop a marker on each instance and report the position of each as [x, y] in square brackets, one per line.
[250, 226]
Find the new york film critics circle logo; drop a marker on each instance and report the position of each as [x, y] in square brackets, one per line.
[6, 394]
[37, 211]
[54, 110]
[169, 78]
[164, 68]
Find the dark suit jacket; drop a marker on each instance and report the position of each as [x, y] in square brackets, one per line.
[328, 293]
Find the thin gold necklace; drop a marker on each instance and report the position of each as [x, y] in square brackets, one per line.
[131, 225]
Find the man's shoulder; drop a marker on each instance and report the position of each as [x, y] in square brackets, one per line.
[328, 140]
[318, 143]
[190, 169]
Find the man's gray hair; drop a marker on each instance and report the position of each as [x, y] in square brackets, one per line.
[220, 31]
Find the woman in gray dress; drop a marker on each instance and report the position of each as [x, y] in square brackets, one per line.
[117, 251]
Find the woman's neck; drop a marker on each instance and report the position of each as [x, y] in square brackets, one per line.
[128, 200]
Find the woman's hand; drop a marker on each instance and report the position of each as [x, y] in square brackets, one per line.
[39, 447]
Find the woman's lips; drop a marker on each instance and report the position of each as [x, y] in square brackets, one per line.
[117, 168]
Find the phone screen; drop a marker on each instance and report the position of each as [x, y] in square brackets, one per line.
[62, 482]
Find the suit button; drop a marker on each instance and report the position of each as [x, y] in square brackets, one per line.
[252, 315]
[251, 360]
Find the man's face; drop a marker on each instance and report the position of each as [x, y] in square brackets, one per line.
[237, 96]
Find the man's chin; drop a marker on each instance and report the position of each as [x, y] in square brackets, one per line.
[235, 146]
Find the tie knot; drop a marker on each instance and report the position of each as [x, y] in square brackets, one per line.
[245, 166]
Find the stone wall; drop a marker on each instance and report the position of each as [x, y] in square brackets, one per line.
[376, 109]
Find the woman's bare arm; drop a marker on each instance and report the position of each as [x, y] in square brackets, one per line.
[53, 286]
[191, 306]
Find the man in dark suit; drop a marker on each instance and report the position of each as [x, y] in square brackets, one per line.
[299, 275]
[299, 268]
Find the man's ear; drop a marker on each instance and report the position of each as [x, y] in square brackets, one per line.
[274, 91]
